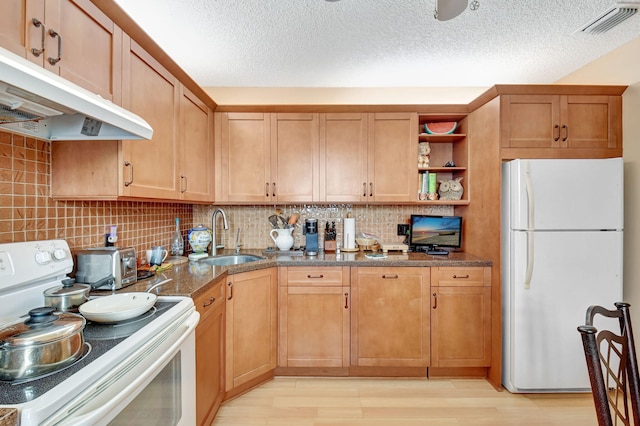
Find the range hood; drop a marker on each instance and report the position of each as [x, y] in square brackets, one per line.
[35, 102]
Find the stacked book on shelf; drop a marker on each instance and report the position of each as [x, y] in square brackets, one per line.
[427, 186]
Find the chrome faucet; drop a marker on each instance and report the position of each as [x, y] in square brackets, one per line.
[214, 240]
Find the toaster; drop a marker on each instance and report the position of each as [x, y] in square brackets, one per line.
[107, 268]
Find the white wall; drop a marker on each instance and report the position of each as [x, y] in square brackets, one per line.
[622, 66]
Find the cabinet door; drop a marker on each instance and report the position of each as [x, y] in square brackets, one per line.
[343, 157]
[252, 326]
[314, 326]
[461, 327]
[390, 317]
[244, 172]
[392, 157]
[196, 146]
[150, 167]
[210, 353]
[592, 122]
[530, 121]
[295, 154]
[16, 27]
[90, 42]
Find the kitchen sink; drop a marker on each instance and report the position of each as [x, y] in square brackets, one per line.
[230, 259]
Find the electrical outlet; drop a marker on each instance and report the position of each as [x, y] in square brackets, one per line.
[403, 229]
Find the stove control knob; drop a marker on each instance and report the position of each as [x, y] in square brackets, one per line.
[59, 254]
[129, 262]
[43, 257]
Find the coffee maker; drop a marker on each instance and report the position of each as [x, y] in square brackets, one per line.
[311, 234]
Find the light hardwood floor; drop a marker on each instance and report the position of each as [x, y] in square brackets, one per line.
[289, 401]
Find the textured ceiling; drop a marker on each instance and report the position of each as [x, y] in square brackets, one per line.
[376, 43]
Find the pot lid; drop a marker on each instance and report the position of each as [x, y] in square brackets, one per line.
[68, 288]
[200, 227]
[43, 326]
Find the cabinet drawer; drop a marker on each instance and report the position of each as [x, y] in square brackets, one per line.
[460, 276]
[211, 299]
[326, 276]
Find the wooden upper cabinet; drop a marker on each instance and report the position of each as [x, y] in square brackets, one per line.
[80, 42]
[295, 157]
[196, 148]
[343, 157]
[392, 153]
[243, 157]
[150, 167]
[267, 157]
[560, 126]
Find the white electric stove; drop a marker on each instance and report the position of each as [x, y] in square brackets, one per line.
[128, 369]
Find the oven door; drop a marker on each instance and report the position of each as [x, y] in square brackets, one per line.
[156, 385]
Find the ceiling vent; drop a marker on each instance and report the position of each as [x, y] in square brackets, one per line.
[610, 18]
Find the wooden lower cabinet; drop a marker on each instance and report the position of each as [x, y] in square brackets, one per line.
[210, 353]
[390, 320]
[314, 312]
[251, 326]
[460, 317]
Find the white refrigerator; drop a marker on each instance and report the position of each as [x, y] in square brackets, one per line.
[562, 223]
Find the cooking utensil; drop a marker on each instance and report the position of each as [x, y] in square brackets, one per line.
[273, 219]
[44, 343]
[118, 307]
[281, 222]
[67, 297]
[293, 219]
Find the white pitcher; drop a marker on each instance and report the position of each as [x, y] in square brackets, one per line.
[284, 240]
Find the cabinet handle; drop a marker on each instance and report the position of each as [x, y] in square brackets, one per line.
[370, 189]
[267, 188]
[346, 300]
[557, 129]
[51, 60]
[127, 164]
[364, 189]
[435, 300]
[462, 277]
[274, 189]
[211, 300]
[387, 277]
[566, 132]
[43, 30]
[183, 178]
[230, 284]
[315, 276]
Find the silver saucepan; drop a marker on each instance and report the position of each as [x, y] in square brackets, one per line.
[67, 297]
[44, 343]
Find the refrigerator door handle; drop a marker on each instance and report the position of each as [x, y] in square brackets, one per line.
[530, 225]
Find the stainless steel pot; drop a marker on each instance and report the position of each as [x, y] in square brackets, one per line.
[68, 297]
[44, 343]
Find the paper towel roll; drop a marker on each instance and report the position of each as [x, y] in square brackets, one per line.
[349, 233]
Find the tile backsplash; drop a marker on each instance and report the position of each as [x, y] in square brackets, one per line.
[27, 211]
[379, 220]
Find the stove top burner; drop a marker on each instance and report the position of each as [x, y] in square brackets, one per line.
[86, 350]
[99, 337]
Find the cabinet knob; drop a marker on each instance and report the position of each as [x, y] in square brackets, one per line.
[435, 300]
[462, 277]
[346, 300]
[211, 300]
[557, 132]
[315, 276]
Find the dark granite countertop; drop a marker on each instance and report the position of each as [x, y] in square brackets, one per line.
[193, 278]
[8, 416]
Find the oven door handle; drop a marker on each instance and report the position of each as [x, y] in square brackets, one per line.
[97, 404]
